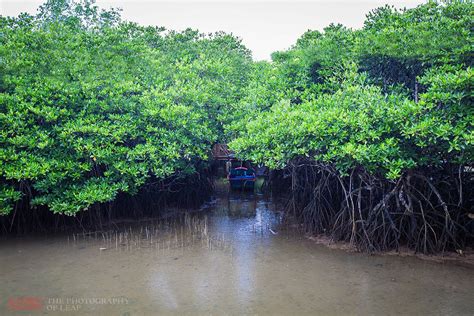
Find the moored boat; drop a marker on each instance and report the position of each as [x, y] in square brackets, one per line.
[241, 178]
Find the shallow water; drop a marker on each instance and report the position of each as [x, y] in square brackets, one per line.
[234, 257]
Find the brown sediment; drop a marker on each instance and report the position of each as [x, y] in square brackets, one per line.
[461, 257]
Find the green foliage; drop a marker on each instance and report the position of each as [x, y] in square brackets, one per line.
[8, 196]
[354, 126]
[432, 33]
[335, 113]
[266, 85]
[90, 106]
[397, 46]
[376, 128]
[443, 124]
[316, 57]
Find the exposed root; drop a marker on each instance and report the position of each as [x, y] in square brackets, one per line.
[424, 210]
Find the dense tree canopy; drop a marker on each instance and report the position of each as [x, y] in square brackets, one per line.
[92, 106]
[376, 128]
[348, 94]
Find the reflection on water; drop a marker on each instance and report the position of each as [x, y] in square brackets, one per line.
[235, 256]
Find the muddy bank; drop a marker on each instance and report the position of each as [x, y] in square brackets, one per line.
[461, 258]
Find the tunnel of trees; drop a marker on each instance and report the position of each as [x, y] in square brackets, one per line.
[370, 131]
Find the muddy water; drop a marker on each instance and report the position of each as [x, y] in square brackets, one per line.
[234, 257]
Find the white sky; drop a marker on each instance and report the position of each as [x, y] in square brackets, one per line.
[265, 26]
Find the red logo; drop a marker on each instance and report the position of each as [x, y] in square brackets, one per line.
[25, 303]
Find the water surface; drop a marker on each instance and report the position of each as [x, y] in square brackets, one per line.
[234, 257]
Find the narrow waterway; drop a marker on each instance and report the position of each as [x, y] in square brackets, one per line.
[233, 257]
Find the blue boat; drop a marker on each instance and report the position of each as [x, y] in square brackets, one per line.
[241, 178]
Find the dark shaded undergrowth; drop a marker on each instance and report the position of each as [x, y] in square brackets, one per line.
[425, 210]
[151, 201]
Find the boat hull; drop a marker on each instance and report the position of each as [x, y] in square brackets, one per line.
[242, 184]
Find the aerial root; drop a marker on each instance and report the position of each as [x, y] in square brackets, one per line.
[420, 210]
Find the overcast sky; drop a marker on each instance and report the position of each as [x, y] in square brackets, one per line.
[265, 26]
